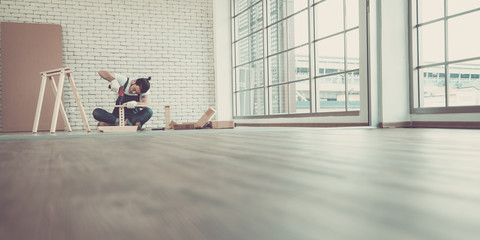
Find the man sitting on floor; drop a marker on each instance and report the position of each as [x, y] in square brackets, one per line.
[130, 92]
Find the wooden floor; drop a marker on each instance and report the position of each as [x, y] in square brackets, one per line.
[245, 183]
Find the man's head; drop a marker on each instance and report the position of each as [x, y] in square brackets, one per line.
[139, 86]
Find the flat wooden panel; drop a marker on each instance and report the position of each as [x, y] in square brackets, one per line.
[27, 50]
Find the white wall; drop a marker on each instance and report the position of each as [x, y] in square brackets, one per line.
[393, 49]
[171, 41]
[223, 59]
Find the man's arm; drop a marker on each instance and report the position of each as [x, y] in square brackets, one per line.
[107, 75]
[144, 101]
[114, 85]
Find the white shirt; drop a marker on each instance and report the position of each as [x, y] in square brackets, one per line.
[122, 80]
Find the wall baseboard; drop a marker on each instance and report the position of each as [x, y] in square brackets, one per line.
[414, 124]
[434, 124]
[301, 124]
[395, 125]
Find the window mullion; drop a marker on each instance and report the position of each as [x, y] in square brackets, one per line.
[445, 32]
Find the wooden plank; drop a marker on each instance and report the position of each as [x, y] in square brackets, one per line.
[58, 99]
[79, 102]
[222, 124]
[207, 116]
[121, 116]
[39, 103]
[62, 108]
[57, 71]
[167, 117]
[184, 126]
[117, 129]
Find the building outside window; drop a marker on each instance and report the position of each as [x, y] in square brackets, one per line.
[277, 43]
[445, 54]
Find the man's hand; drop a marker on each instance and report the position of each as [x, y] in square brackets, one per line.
[131, 104]
[114, 86]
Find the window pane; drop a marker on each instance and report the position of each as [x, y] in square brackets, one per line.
[331, 93]
[351, 14]
[464, 84]
[429, 10]
[256, 46]
[458, 6]
[431, 43]
[250, 75]
[414, 48]
[279, 99]
[241, 5]
[295, 6]
[329, 55]
[353, 95]
[276, 10]
[250, 103]
[242, 77]
[241, 25]
[256, 18]
[328, 18]
[300, 97]
[259, 101]
[433, 87]
[277, 35]
[278, 68]
[353, 50]
[298, 64]
[463, 41]
[242, 51]
[416, 88]
[297, 29]
[256, 74]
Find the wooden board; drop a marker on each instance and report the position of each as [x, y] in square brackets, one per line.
[28, 49]
[183, 126]
[117, 129]
[222, 124]
[207, 116]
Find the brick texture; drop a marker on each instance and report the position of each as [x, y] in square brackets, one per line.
[171, 41]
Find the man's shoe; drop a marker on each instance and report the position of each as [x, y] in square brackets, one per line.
[100, 124]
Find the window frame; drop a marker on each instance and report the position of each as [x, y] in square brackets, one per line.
[416, 67]
[312, 78]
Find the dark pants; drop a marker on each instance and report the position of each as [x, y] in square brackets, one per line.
[133, 116]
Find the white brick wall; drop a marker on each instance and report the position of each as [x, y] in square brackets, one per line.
[171, 41]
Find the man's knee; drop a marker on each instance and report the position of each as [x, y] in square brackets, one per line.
[149, 111]
[97, 112]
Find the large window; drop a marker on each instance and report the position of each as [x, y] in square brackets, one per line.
[295, 57]
[446, 55]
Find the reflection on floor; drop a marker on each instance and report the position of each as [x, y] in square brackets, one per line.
[243, 183]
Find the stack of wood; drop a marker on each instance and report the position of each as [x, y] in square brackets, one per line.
[203, 122]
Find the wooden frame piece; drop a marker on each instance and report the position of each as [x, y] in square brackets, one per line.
[58, 105]
[207, 116]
